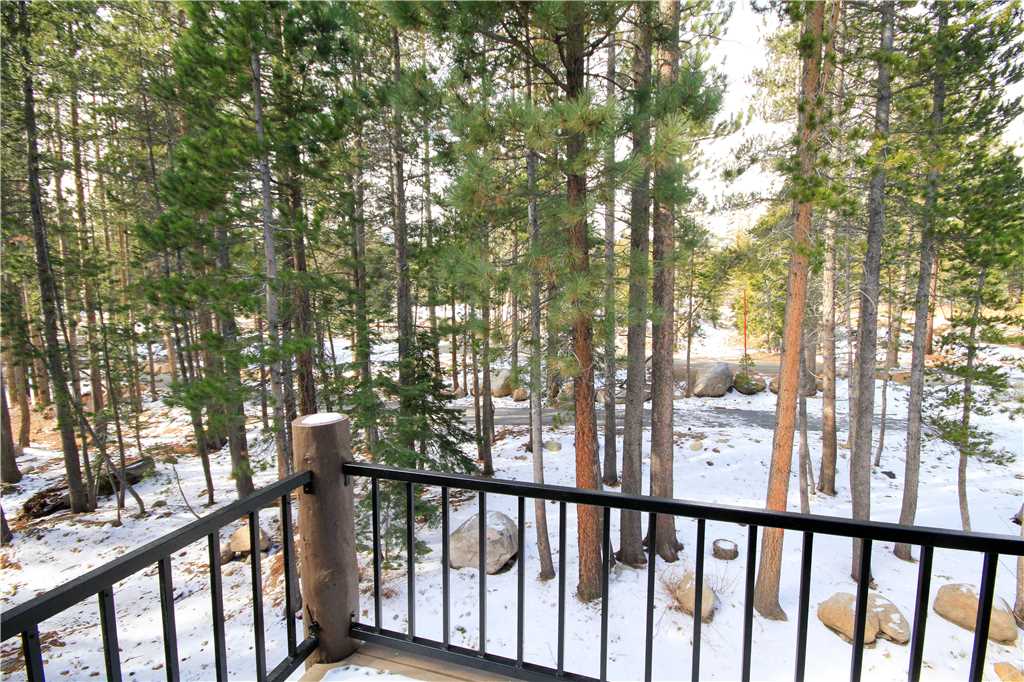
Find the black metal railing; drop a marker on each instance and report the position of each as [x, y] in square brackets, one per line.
[989, 545]
[24, 619]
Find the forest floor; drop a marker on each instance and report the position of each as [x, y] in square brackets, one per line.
[722, 456]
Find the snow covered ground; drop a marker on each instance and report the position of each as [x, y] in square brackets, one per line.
[722, 456]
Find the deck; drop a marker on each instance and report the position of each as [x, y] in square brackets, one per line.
[400, 664]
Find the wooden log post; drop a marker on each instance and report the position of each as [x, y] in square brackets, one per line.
[326, 543]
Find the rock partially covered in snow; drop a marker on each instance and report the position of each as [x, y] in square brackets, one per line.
[838, 614]
[725, 550]
[713, 381]
[684, 594]
[958, 603]
[501, 385]
[501, 542]
[891, 623]
[239, 542]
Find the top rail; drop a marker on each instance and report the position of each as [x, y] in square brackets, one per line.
[829, 525]
[24, 616]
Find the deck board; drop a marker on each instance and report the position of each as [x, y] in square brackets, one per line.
[401, 663]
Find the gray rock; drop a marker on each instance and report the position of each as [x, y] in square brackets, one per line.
[713, 381]
[501, 542]
[748, 384]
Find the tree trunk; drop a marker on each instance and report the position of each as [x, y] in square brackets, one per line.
[922, 309]
[588, 475]
[270, 273]
[487, 437]
[967, 402]
[867, 328]
[547, 568]
[9, 472]
[630, 548]
[610, 475]
[929, 338]
[663, 308]
[404, 295]
[47, 286]
[827, 473]
[303, 310]
[766, 598]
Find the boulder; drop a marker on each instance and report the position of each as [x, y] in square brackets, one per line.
[808, 388]
[891, 623]
[1008, 672]
[697, 445]
[552, 446]
[239, 542]
[501, 543]
[520, 394]
[837, 613]
[713, 381]
[724, 549]
[501, 385]
[958, 603]
[684, 594]
[227, 555]
[748, 384]
[460, 392]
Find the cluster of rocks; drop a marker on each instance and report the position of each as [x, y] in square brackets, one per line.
[956, 602]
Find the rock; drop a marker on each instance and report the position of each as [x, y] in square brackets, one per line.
[227, 555]
[724, 549]
[1008, 672]
[683, 593]
[552, 446]
[520, 394]
[696, 445]
[55, 498]
[239, 542]
[501, 540]
[460, 392]
[501, 385]
[713, 381]
[748, 384]
[600, 396]
[958, 603]
[891, 623]
[837, 613]
[808, 389]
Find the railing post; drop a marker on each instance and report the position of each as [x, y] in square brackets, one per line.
[327, 546]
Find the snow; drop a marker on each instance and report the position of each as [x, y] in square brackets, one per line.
[722, 457]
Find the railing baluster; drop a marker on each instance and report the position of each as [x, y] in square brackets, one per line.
[561, 587]
[748, 601]
[924, 581]
[606, 557]
[167, 617]
[255, 556]
[861, 614]
[698, 600]
[33, 653]
[521, 584]
[805, 597]
[108, 626]
[217, 607]
[988, 578]
[410, 559]
[652, 560]
[288, 558]
[375, 513]
[445, 577]
[482, 556]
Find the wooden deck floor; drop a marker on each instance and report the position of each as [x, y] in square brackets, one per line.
[400, 664]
